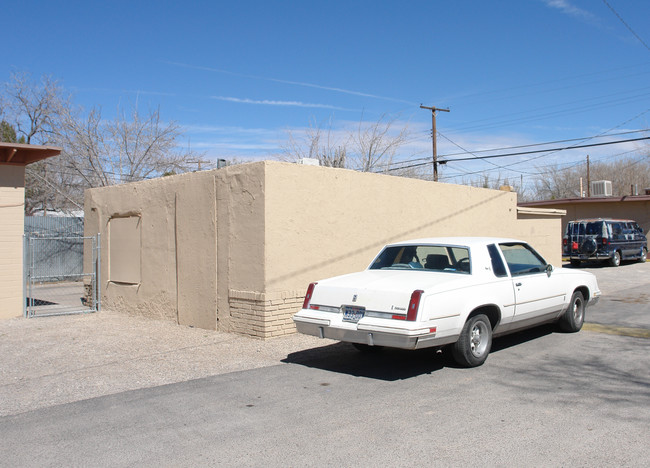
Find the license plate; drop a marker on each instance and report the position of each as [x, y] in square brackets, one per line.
[353, 314]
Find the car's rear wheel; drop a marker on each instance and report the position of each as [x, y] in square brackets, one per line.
[474, 343]
[644, 255]
[616, 259]
[574, 316]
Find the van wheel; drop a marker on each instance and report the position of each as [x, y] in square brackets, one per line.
[574, 316]
[644, 255]
[474, 342]
[616, 259]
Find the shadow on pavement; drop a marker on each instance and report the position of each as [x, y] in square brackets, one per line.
[396, 364]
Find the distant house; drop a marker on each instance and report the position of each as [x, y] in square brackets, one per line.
[636, 207]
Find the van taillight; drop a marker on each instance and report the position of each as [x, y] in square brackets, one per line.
[310, 292]
[565, 241]
[605, 241]
[414, 305]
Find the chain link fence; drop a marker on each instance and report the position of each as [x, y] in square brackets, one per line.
[55, 280]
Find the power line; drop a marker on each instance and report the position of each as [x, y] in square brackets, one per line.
[532, 145]
[626, 25]
[521, 153]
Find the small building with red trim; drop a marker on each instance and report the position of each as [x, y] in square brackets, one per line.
[636, 207]
[13, 159]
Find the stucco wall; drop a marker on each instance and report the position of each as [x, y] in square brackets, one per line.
[323, 221]
[235, 248]
[12, 226]
[241, 244]
[177, 247]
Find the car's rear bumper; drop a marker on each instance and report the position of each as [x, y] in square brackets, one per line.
[412, 335]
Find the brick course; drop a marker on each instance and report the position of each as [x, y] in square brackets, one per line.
[263, 315]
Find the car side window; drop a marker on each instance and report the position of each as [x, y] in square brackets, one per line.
[498, 267]
[522, 259]
[617, 231]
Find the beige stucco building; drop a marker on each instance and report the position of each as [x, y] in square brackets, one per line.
[234, 249]
[13, 159]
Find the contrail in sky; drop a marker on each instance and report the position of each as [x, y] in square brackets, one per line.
[267, 102]
[296, 83]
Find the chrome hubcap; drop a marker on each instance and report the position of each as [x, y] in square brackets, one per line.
[478, 341]
[577, 310]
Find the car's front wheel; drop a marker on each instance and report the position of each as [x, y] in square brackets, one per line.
[574, 316]
[474, 343]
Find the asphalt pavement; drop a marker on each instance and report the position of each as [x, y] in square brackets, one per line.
[98, 398]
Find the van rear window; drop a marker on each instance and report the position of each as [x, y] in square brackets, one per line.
[594, 229]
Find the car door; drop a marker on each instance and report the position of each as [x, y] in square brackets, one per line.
[539, 294]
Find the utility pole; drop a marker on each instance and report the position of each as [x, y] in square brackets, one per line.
[588, 179]
[433, 138]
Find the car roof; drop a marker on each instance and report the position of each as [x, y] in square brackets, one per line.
[465, 241]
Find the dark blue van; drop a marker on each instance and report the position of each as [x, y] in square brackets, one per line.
[604, 239]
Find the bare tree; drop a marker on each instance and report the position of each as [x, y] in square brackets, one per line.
[364, 148]
[624, 174]
[376, 142]
[317, 143]
[496, 183]
[129, 148]
[95, 152]
[554, 182]
[33, 107]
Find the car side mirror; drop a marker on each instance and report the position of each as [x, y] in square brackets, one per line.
[549, 270]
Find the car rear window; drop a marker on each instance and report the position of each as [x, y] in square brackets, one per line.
[447, 258]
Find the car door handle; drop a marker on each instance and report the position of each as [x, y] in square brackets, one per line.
[517, 284]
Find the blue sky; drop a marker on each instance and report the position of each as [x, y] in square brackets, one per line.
[237, 76]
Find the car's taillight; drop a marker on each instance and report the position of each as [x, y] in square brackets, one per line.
[565, 241]
[414, 305]
[605, 240]
[310, 292]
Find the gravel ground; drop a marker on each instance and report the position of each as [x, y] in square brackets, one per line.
[53, 360]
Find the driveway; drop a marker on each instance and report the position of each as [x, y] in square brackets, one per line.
[140, 392]
[53, 360]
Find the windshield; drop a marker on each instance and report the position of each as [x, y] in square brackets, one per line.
[447, 258]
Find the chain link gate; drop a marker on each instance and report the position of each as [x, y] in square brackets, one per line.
[56, 282]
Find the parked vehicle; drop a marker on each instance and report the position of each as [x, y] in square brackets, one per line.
[612, 240]
[447, 291]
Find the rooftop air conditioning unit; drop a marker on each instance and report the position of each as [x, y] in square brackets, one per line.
[309, 161]
[601, 188]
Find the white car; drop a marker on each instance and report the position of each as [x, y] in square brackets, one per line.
[458, 291]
